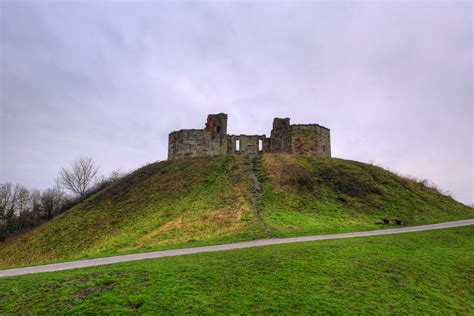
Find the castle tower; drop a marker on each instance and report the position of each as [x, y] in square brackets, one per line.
[280, 139]
[281, 123]
[217, 123]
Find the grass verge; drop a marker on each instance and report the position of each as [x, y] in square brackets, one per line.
[428, 272]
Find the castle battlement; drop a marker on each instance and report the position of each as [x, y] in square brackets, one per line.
[300, 139]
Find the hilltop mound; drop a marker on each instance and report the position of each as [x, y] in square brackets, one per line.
[197, 201]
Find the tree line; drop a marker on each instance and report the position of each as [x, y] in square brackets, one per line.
[22, 209]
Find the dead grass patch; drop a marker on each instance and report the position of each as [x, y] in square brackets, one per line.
[198, 225]
[286, 173]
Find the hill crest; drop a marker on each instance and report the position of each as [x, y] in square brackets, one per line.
[208, 200]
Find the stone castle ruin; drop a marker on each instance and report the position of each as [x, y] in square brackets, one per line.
[299, 139]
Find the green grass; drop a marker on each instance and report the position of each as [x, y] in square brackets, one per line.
[201, 201]
[162, 205]
[428, 272]
[306, 195]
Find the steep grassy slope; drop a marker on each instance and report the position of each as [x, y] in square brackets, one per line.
[199, 201]
[165, 203]
[305, 195]
[409, 274]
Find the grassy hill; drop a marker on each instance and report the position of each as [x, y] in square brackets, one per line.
[198, 201]
[418, 273]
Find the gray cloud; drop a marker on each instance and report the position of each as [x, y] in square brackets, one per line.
[393, 81]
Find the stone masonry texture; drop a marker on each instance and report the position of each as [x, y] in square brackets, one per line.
[300, 139]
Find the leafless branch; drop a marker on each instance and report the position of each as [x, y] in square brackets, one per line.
[80, 177]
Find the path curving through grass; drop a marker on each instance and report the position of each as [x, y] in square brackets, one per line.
[249, 244]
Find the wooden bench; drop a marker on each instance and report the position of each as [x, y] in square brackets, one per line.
[391, 221]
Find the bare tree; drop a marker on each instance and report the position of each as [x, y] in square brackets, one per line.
[35, 202]
[80, 177]
[52, 200]
[116, 175]
[14, 200]
[5, 198]
[5, 205]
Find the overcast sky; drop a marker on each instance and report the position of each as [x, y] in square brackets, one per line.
[392, 80]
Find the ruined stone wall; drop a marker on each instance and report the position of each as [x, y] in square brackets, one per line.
[310, 140]
[196, 143]
[217, 123]
[280, 139]
[248, 144]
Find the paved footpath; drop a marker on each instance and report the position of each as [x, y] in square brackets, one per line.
[240, 245]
